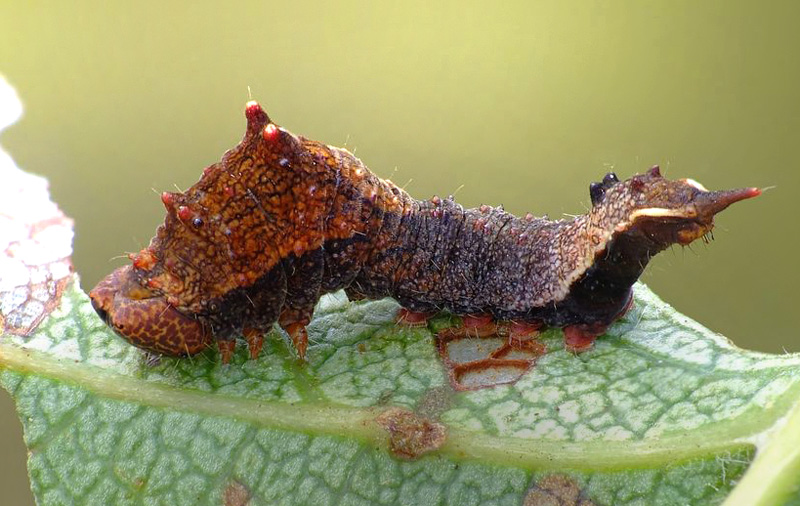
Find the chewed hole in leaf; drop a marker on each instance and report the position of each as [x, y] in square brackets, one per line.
[475, 362]
[465, 350]
[487, 373]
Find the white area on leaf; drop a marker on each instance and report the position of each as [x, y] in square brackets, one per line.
[657, 327]
[569, 411]
[617, 433]
[35, 238]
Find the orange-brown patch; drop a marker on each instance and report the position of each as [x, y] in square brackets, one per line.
[267, 199]
[556, 490]
[412, 318]
[235, 494]
[146, 319]
[410, 435]
[255, 341]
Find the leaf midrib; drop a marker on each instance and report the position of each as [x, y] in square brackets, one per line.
[358, 423]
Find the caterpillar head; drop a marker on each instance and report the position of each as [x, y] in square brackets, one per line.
[665, 211]
[155, 302]
[145, 318]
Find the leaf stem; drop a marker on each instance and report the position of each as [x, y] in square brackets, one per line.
[775, 472]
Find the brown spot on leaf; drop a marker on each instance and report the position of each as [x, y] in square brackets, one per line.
[35, 250]
[411, 435]
[235, 494]
[556, 490]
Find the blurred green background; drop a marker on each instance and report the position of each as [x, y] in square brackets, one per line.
[522, 104]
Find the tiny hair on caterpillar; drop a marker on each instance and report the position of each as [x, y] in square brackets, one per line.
[281, 220]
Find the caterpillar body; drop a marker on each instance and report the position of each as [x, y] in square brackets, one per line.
[281, 220]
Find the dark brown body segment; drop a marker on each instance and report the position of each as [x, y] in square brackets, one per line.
[281, 220]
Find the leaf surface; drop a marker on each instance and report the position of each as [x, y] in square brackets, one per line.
[660, 411]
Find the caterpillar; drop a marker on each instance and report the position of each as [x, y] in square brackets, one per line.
[281, 220]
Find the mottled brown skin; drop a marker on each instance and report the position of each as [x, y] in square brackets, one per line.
[147, 321]
[281, 220]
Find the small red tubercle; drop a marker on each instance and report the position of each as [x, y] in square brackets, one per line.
[256, 117]
[144, 260]
[184, 213]
[252, 110]
[270, 132]
[753, 192]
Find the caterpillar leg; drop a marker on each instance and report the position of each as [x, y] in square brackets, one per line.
[302, 293]
[226, 348]
[473, 326]
[255, 341]
[294, 322]
[411, 318]
[521, 334]
[580, 337]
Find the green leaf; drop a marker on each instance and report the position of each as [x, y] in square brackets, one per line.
[660, 411]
